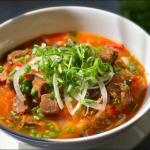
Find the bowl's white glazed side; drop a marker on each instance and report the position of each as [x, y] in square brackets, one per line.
[63, 19]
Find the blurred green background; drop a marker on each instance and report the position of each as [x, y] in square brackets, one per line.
[138, 11]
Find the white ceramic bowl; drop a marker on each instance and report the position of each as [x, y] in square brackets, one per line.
[63, 19]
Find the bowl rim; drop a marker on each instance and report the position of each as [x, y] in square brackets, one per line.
[93, 137]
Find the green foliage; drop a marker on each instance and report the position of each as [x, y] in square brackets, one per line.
[137, 11]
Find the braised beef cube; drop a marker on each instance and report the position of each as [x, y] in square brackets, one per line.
[101, 123]
[48, 106]
[94, 94]
[42, 88]
[30, 121]
[108, 55]
[20, 107]
[114, 89]
[15, 55]
[4, 74]
[10, 84]
[126, 99]
[118, 91]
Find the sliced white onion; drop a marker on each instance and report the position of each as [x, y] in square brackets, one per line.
[87, 110]
[63, 48]
[16, 83]
[125, 60]
[55, 84]
[68, 104]
[34, 60]
[70, 41]
[34, 67]
[104, 95]
[57, 44]
[43, 45]
[55, 58]
[120, 121]
[85, 86]
[93, 105]
[37, 74]
[17, 68]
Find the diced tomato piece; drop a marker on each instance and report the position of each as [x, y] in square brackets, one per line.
[26, 76]
[120, 47]
[20, 64]
[114, 110]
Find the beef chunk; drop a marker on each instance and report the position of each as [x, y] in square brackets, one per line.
[117, 91]
[108, 55]
[30, 121]
[4, 74]
[100, 123]
[114, 89]
[20, 107]
[42, 88]
[15, 55]
[126, 99]
[10, 84]
[48, 106]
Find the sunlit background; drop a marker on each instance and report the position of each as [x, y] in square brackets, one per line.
[136, 10]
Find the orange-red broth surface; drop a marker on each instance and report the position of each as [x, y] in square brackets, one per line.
[74, 128]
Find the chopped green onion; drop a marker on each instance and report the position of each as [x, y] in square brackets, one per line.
[44, 125]
[27, 69]
[32, 134]
[8, 78]
[52, 95]
[33, 131]
[33, 110]
[68, 129]
[119, 108]
[12, 72]
[26, 81]
[137, 72]
[27, 57]
[114, 101]
[41, 115]
[46, 131]
[34, 51]
[39, 135]
[108, 121]
[46, 136]
[2, 118]
[100, 131]
[72, 33]
[21, 59]
[31, 127]
[89, 101]
[81, 135]
[119, 60]
[13, 113]
[33, 91]
[53, 134]
[1, 69]
[16, 117]
[52, 126]
[120, 116]
[60, 134]
[58, 129]
[50, 83]
[11, 125]
[73, 129]
[70, 99]
[70, 89]
[126, 87]
[49, 124]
